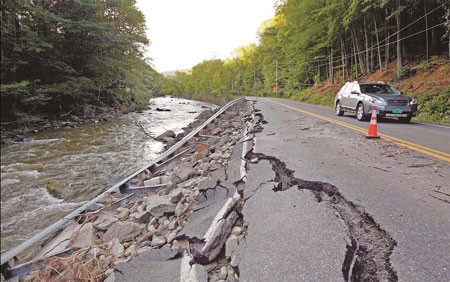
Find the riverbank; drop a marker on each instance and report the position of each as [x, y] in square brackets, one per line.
[57, 170]
[154, 218]
[25, 125]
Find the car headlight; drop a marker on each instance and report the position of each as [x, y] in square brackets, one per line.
[413, 102]
[376, 101]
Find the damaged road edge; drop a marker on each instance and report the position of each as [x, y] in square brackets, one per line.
[368, 253]
[211, 248]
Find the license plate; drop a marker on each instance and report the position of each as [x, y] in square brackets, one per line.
[396, 115]
[397, 111]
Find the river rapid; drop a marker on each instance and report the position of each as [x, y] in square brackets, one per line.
[46, 178]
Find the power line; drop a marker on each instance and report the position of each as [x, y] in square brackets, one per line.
[339, 59]
[376, 45]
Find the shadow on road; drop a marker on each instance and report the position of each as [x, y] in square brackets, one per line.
[381, 120]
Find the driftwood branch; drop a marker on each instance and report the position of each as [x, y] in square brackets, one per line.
[141, 127]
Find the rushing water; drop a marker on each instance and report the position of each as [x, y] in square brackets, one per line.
[77, 164]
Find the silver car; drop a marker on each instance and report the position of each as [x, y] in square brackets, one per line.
[361, 97]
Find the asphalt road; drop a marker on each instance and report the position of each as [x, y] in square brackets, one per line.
[435, 138]
[402, 186]
[393, 202]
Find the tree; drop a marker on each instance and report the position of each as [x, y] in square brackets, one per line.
[65, 54]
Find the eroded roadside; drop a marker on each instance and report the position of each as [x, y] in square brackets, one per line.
[361, 187]
[147, 219]
[368, 247]
[227, 212]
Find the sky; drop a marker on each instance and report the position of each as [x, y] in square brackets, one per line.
[183, 33]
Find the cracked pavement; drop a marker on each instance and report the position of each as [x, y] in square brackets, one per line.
[382, 180]
[322, 203]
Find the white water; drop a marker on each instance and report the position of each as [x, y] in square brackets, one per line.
[78, 164]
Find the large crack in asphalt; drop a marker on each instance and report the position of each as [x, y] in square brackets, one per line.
[369, 249]
[368, 253]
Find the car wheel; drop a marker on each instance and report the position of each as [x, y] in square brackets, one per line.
[360, 112]
[405, 119]
[339, 111]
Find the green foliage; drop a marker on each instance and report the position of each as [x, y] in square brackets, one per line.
[295, 47]
[75, 52]
[426, 65]
[434, 107]
[307, 96]
[18, 88]
[404, 72]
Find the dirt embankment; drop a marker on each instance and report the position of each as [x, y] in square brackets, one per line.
[432, 76]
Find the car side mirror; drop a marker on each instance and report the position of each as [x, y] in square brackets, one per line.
[355, 92]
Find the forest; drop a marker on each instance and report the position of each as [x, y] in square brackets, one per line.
[63, 57]
[312, 42]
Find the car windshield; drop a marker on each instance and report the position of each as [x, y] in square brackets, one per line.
[378, 89]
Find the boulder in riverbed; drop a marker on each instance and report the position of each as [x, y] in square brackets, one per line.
[167, 140]
[163, 110]
[168, 133]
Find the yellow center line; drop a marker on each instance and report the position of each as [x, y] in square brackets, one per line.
[413, 146]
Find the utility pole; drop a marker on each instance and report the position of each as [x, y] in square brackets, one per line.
[276, 77]
[254, 78]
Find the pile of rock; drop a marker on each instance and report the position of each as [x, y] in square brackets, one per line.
[153, 218]
[225, 268]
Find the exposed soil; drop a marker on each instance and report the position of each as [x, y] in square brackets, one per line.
[433, 79]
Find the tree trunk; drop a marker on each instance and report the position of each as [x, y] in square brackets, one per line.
[318, 70]
[399, 45]
[434, 36]
[350, 65]
[367, 46]
[448, 31]
[356, 56]
[358, 52]
[426, 28]
[343, 60]
[378, 44]
[331, 66]
[387, 49]
[371, 54]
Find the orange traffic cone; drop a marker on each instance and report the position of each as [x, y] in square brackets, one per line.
[373, 125]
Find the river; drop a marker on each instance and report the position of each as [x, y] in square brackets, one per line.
[77, 164]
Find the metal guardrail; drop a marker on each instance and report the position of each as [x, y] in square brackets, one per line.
[5, 257]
